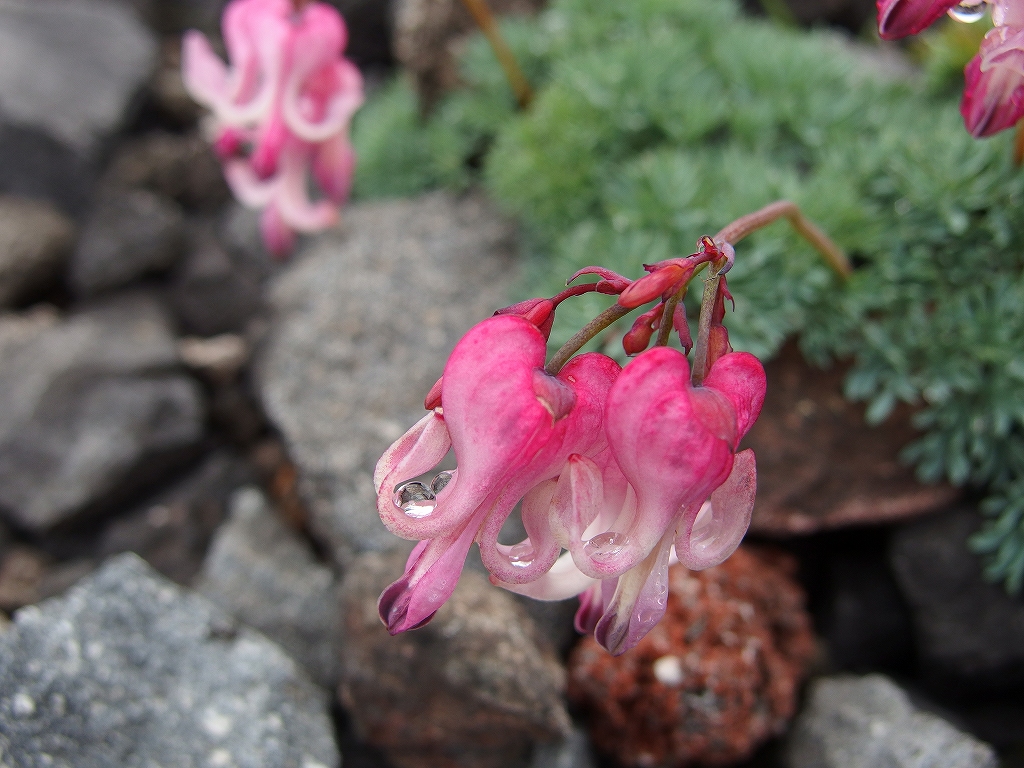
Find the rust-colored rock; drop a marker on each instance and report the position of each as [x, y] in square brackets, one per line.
[821, 466]
[477, 687]
[429, 33]
[716, 678]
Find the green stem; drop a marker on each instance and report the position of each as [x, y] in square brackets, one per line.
[585, 334]
[665, 329]
[744, 225]
[513, 72]
[700, 347]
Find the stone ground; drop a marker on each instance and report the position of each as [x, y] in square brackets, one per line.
[171, 391]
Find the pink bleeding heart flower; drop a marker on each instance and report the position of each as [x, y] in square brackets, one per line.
[512, 427]
[994, 96]
[280, 110]
[994, 93]
[676, 446]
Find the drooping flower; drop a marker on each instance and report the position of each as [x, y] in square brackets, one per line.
[994, 93]
[689, 494]
[512, 427]
[280, 110]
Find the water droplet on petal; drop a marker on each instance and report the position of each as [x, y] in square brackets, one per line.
[415, 499]
[521, 555]
[440, 481]
[606, 545]
[968, 11]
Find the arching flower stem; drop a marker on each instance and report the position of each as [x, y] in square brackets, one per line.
[700, 348]
[585, 334]
[513, 72]
[785, 209]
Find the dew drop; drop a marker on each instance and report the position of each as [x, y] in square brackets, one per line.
[521, 555]
[606, 545]
[440, 481]
[968, 11]
[415, 499]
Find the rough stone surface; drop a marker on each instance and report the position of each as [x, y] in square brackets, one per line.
[474, 688]
[572, 752]
[264, 574]
[429, 33]
[130, 233]
[366, 318]
[867, 722]
[179, 166]
[69, 70]
[173, 529]
[93, 407]
[821, 466]
[968, 630]
[130, 670]
[714, 679]
[35, 240]
[215, 289]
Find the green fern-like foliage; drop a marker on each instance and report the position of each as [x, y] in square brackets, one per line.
[658, 121]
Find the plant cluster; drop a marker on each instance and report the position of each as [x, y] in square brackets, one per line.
[655, 120]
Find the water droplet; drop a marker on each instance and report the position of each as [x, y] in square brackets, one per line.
[606, 545]
[440, 481]
[415, 499]
[521, 555]
[968, 11]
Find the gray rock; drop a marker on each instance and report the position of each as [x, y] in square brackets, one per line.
[179, 166]
[69, 70]
[130, 233]
[572, 752]
[93, 408]
[215, 290]
[366, 318]
[35, 240]
[968, 630]
[173, 529]
[870, 722]
[477, 687]
[265, 575]
[130, 670]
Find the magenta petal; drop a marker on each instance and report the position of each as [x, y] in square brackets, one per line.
[994, 93]
[740, 377]
[563, 580]
[531, 558]
[711, 532]
[639, 602]
[292, 198]
[334, 163]
[592, 606]
[430, 577]
[277, 235]
[899, 18]
[204, 74]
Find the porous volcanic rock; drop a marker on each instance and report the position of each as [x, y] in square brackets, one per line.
[475, 688]
[130, 670]
[867, 722]
[365, 319]
[714, 679]
[821, 466]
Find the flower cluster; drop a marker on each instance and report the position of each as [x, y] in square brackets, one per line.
[619, 471]
[994, 92]
[280, 109]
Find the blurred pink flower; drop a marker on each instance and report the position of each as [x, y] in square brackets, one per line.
[280, 110]
[994, 94]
